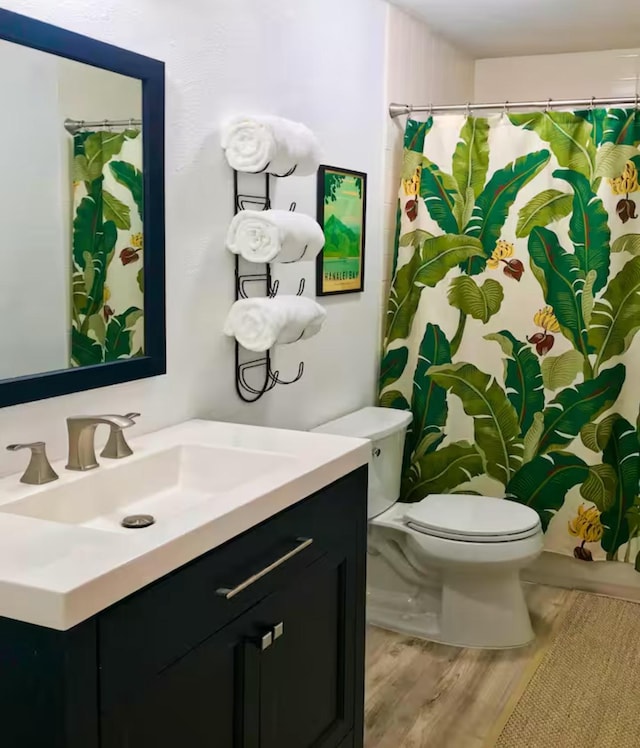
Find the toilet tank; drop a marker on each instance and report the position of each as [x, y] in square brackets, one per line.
[386, 428]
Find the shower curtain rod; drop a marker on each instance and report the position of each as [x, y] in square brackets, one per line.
[395, 110]
[73, 125]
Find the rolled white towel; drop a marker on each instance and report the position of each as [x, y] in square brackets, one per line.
[273, 144]
[274, 236]
[260, 323]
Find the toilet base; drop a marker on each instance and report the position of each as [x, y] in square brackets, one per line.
[487, 611]
[498, 612]
[461, 604]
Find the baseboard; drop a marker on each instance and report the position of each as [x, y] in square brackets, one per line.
[609, 578]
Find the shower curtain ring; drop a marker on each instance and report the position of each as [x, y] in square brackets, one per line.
[468, 108]
[593, 103]
[430, 110]
[505, 108]
[409, 110]
[106, 126]
[637, 101]
[548, 107]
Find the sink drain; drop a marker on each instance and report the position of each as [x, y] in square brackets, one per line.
[137, 521]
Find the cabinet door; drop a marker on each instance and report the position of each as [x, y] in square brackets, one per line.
[201, 701]
[307, 676]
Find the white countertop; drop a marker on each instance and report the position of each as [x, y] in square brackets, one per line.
[57, 575]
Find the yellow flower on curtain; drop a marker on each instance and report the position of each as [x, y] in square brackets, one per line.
[623, 185]
[587, 527]
[412, 185]
[626, 183]
[502, 251]
[136, 240]
[546, 319]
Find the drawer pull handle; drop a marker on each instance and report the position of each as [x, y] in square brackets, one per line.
[229, 593]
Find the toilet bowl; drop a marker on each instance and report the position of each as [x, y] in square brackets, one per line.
[445, 568]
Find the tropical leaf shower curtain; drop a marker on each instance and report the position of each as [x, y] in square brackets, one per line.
[107, 252]
[512, 319]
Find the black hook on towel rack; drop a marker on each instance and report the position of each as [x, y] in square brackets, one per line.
[271, 379]
[279, 176]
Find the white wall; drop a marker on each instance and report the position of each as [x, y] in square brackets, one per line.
[564, 76]
[320, 62]
[421, 68]
[34, 309]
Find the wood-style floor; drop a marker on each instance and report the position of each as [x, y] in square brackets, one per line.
[425, 695]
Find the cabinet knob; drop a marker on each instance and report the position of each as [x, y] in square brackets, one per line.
[278, 630]
[266, 640]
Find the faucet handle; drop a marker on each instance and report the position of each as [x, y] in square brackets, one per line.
[116, 447]
[39, 469]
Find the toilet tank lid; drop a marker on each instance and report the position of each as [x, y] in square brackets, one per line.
[368, 423]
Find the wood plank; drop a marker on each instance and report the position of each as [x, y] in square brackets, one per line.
[425, 695]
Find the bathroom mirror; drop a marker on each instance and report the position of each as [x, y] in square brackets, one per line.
[81, 213]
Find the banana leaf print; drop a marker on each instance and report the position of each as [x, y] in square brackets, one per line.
[429, 400]
[545, 208]
[596, 118]
[628, 243]
[588, 228]
[623, 456]
[577, 406]
[544, 482]
[495, 422]
[616, 316]
[392, 366]
[568, 136]
[552, 427]
[442, 471]
[108, 220]
[522, 378]
[471, 157]
[622, 127]
[562, 282]
[440, 192]
[428, 266]
[479, 302]
[495, 200]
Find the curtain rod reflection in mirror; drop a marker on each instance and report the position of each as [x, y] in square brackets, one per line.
[74, 125]
[395, 110]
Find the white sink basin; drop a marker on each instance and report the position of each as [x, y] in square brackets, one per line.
[64, 555]
[162, 484]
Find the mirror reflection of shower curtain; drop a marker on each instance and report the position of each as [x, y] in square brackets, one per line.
[512, 319]
[107, 247]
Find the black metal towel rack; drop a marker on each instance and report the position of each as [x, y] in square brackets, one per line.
[270, 378]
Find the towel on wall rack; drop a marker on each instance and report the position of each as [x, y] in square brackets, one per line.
[272, 144]
[274, 236]
[260, 323]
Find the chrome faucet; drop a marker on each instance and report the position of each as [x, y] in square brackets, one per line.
[82, 429]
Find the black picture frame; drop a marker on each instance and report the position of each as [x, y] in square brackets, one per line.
[322, 288]
[57, 41]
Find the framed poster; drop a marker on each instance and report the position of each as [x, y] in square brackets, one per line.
[342, 200]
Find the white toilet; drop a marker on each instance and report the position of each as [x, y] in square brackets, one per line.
[445, 568]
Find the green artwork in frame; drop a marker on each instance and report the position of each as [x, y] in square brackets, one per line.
[342, 197]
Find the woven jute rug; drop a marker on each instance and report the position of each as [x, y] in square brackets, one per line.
[584, 689]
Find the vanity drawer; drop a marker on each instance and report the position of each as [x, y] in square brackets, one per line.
[154, 627]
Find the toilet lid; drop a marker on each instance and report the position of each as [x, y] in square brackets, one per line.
[472, 518]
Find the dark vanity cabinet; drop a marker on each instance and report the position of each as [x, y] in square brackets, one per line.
[257, 644]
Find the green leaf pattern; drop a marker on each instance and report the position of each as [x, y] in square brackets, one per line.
[529, 253]
[107, 300]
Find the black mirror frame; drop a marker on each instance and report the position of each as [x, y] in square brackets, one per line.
[47, 38]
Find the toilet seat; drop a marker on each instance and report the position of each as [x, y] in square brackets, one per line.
[472, 519]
